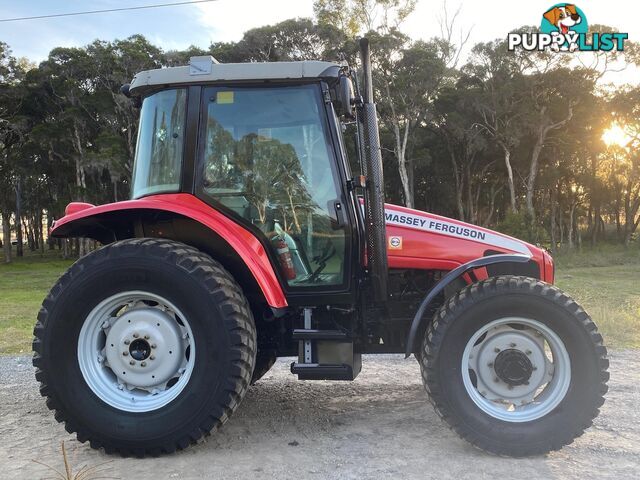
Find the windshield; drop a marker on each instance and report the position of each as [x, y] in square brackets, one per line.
[158, 161]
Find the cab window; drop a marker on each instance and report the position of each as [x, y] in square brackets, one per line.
[267, 159]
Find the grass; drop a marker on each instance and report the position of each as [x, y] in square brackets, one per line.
[611, 296]
[605, 281]
[23, 285]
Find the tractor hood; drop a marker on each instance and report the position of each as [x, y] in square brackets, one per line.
[424, 240]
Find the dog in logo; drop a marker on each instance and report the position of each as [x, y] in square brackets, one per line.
[563, 18]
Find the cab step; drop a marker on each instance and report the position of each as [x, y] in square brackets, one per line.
[310, 334]
[324, 354]
[319, 371]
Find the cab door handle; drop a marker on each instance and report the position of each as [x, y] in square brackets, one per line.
[339, 221]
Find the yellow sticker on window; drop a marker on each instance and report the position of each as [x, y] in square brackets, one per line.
[224, 97]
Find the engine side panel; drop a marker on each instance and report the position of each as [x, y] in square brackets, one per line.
[422, 240]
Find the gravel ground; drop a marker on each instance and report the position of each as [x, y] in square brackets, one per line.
[380, 426]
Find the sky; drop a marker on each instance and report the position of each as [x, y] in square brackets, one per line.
[225, 20]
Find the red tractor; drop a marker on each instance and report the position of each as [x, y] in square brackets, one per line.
[249, 238]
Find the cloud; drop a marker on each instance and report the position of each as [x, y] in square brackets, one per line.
[227, 20]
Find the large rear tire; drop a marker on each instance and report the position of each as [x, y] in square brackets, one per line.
[514, 366]
[144, 346]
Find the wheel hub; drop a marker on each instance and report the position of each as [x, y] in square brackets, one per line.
[145, 347]
[513, 367]
[140, 350]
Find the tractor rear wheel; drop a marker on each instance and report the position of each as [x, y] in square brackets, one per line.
[144, 346]
[514, 366]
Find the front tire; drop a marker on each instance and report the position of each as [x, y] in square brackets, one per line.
[144, 346]
[514, 366]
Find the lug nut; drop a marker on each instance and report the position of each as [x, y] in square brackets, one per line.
[534, 368]
[152, 357]
[497, 350]
[153, 345]
[127, 342]
[146, 337]
[496, 379]
[131, 362]
[135, 335]
[490, 364]
[512, 345]
[528, 352]
[125, 353]
[143, 364]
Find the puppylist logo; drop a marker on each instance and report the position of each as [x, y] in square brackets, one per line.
[564, 28]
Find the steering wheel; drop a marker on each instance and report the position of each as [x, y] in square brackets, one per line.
[328, 252]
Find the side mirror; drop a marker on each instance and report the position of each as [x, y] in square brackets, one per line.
[124, 89]
[345, 98]
[136, 101]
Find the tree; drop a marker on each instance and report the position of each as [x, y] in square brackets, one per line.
[500, 101]
[408, 77]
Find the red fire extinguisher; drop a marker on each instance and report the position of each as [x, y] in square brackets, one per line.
[284, 256]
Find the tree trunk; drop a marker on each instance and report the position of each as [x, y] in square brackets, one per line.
[471, 214]
[39, 218]
[554, 233]
[570, 225]
[403, 168]
[543, 131]
[18, 190]
[6, 236]
[512, 189]
[457, 179]
[596, 225]
[50, 240]
[533, 173]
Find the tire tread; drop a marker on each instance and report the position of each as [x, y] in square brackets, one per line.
[233, 306]
[463, 300]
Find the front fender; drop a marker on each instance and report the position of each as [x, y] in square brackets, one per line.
[84, 220]
[446, 280]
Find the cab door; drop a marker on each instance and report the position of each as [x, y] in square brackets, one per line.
[267, 159]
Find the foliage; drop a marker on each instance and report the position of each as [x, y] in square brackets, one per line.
[512, 140]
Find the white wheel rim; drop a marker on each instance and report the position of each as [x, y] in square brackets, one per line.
[136, 351]
[525, 346]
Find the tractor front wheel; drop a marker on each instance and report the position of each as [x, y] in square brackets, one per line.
[514, 366]
[144, 346]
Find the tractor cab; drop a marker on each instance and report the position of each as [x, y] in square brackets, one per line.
[262, 144]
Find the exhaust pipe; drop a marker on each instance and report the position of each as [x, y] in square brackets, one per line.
[369, 140]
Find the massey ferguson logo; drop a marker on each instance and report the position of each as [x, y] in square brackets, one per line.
[564, 28]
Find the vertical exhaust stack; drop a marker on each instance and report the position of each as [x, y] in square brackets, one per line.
[374, 193]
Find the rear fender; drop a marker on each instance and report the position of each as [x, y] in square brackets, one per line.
[116, 221]
[449, 278]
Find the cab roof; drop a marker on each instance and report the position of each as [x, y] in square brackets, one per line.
[206, 69]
